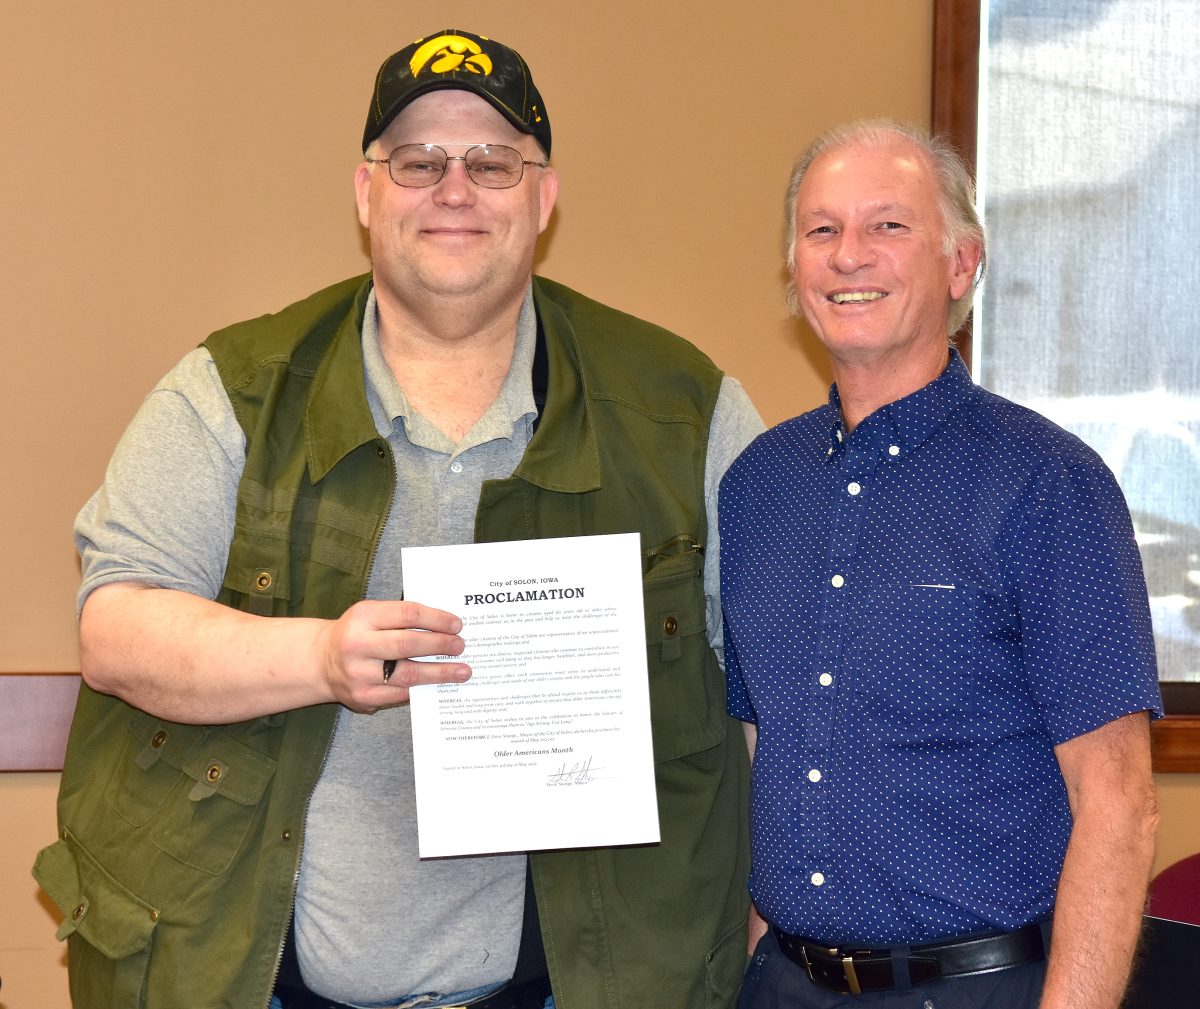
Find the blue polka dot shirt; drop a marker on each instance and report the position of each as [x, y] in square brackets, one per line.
[915, 615]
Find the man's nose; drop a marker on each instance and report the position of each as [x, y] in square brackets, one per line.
[455, 186]
[850, 252]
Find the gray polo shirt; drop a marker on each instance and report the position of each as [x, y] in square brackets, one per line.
[374, 923]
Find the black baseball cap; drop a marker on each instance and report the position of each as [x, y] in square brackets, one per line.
[458, 59]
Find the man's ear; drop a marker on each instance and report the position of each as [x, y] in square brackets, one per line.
[362, 192]
[548, 187]
[964, 264]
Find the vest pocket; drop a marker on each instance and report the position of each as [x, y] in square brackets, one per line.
[194, 788]
[687, 702]
[726, 965]
[98, 912]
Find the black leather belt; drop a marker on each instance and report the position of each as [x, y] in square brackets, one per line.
[526, 995]
[853, 972]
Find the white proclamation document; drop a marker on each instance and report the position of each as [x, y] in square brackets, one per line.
[548, 744]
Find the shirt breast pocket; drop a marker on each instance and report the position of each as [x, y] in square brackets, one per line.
[912, 658]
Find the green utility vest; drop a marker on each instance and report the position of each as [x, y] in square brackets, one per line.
[180, 844]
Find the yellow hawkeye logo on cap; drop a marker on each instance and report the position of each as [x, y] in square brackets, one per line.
[450, 52]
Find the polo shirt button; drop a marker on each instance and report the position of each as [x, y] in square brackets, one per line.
[456, 467]
[853, 488]
[817, 878]
[814, 775]
[837, 581]
[893, 450]
[825, 679]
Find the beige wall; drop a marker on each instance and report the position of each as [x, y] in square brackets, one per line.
[170, 168]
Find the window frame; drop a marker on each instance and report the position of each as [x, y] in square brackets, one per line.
[954, 111]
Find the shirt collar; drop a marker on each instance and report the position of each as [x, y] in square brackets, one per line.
[389, 404]
[909, 421]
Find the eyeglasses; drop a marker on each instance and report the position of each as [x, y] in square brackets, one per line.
[493, 166]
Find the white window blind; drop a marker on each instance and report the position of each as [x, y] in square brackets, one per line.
[1089, 162]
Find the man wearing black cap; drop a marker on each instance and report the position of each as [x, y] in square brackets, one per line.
[237, 822]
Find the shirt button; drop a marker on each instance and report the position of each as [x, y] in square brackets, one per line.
[456, 467]
[817, 878]
[853, 488]
[839, 434]
[837, 581]
[893, 450]
[825, 679]
[814, 775]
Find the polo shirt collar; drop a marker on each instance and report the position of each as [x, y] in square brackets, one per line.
[563, 454]
[502, 419]
[912, 420]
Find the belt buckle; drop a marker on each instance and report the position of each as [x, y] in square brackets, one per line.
[847, 964]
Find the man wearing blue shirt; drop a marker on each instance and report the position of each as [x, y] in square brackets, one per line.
[937, 634]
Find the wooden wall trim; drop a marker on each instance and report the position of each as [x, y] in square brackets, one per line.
[1175, 744]
[954, 96]
[35, 716]
[955, 73]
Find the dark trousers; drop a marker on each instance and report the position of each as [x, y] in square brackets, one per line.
[775, 982]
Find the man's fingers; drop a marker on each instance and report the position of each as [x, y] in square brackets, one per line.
[401, 614]
[412, 644]
[376, 648]
[399, 667]
[408, 673]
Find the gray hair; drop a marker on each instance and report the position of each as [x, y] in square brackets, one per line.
[956, 194]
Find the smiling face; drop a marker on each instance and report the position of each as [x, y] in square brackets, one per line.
[453, 239]
[871, 273]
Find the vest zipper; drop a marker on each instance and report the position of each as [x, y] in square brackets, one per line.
[677, 546]
[296, 872]
[387, 511]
